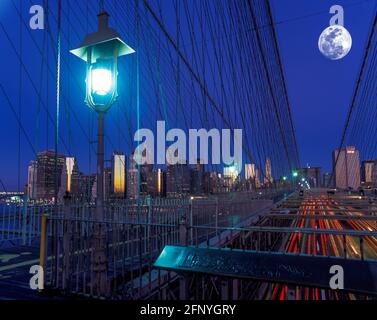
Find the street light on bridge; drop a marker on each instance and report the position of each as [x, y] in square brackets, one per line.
[101, 50]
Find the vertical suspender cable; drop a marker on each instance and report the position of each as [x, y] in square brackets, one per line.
[57, 103]
[138, 84]
[55, 238]
[19, 109]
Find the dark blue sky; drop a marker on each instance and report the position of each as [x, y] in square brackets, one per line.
[320, 90]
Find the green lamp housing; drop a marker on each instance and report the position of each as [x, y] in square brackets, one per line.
[100, 50]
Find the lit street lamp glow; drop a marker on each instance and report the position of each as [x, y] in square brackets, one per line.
[102, 81]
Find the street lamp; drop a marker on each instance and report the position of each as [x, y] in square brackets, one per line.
[101, 50]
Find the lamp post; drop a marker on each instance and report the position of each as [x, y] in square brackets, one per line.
[101, 50]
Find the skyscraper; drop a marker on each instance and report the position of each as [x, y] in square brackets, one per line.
[197, 175]
[347, 168]
[249, 171]
[369, 173]
[326, 180]
[257, 179]
[146, 173]
[132, 184]
[268, 177]
[177, 180]
[32, 180]
[70, 176]
[87, 184]
[47, 177]
[132, 178]
[230, 176]
[251, 176]
[107, 185]
[153, 183]
[119, 174]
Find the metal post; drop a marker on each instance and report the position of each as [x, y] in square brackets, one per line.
[42, 248]
[99, 258]
[191, 224]
[224, 291]
[24, 219]
[67, 225]
[100, 166]
[217, 217]
[183, 288]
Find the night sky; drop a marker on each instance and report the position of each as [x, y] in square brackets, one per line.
[320, 90]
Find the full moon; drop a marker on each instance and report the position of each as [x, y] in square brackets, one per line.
[335, 42]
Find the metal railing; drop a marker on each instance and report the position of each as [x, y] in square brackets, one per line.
[20, 224]
[135, 235]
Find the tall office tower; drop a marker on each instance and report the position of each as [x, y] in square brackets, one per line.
[70, 178]
[87, 183]
[146, 171]
[212, 182]
[257, 179]
[32, 180]
[250, 176]
[326, 180]
[47, 177]
[369, 173]
[197, 175]
[249, 171]
[230, 177]
[268, 177]
[132, 184]
[178, 180]
[108, 183]
[131, 162]
[312, 175]
[119, 174]
[153, 183]
[347, 169]
[132, 180]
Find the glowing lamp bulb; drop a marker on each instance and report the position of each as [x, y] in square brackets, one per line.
[101, 81]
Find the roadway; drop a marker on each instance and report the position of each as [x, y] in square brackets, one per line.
[324, 244]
